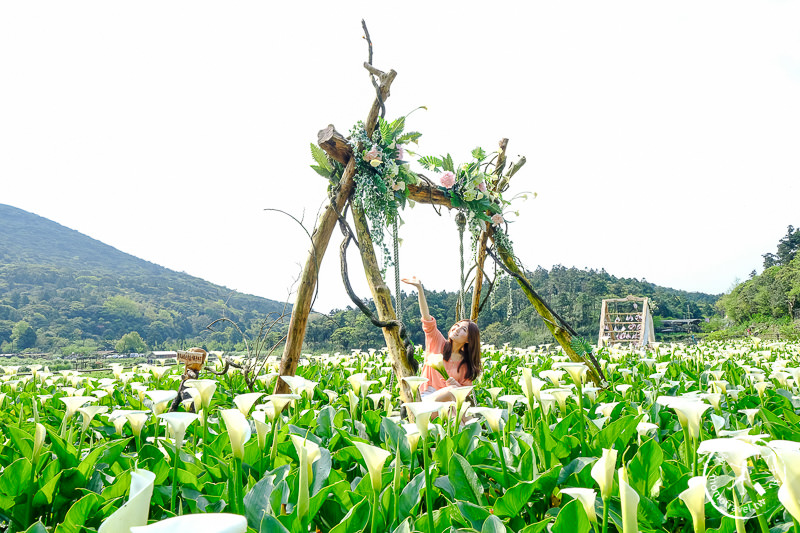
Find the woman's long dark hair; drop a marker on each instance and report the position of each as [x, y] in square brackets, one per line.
[470, 352]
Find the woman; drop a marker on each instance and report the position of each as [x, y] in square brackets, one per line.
[461, 352]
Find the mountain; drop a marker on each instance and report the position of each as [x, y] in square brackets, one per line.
[74, 291]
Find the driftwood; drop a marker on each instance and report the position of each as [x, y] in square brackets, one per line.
[320, 239]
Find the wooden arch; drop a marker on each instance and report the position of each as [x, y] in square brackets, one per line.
[337, 148]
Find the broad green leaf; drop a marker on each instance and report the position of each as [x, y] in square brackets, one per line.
[618, 433]
[644, 468]
[411, 495]
[321, 469]
[355, 520]
[493, 525]
[270, 524]
[575, 467]
[572, 519]
[44, 496]
[22, 442]
[443, 453]
[465, 480]
[404, 527]
[38, 527]
[78, 514]
[256, 501]
[512, 502]
[537, 527]
[15, 479]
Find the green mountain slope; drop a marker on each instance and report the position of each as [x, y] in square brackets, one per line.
[70, 288]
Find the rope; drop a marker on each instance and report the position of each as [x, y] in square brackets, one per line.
[397, 296]
[510, 310]
[461, 221]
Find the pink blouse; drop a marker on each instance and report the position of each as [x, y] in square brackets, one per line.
[434, 343]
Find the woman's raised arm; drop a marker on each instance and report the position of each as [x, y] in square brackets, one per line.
[423, 303]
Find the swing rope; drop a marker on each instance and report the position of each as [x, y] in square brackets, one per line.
[461, 221]
[397, 296]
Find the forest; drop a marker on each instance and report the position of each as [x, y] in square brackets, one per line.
[63, 292]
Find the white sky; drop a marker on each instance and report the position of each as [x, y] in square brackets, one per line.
[661, 138]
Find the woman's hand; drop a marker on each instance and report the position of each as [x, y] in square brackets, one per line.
[413, 281]
[452, 382]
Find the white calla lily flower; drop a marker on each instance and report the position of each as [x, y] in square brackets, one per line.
[695, 499]
[603, 472]
[238, 429]
[374, 458]
[629, 500]
[135, 511]
[178, 422]
[587, 497]
[244, 402]
[194, 523]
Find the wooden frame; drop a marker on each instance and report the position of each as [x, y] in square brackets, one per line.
[337, 148]
[632, 327]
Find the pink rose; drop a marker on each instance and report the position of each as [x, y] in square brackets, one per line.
[447, 179]
[482, 186]
[372, 154]
[497, 219]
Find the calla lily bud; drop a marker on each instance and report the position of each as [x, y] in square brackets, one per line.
[629, 499]
[38, 441]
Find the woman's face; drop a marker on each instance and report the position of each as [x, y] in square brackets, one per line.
[458, 332]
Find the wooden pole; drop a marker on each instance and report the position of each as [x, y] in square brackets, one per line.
[561, 335]
[383, 301]
[320, 238]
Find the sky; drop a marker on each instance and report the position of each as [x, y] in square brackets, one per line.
[661, 137]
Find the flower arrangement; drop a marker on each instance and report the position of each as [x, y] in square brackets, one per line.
[474, 188]
[382, 173]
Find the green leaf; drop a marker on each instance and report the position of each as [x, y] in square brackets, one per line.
[256, 501]
[479, 153]
[15, 479]
[444, 453]
[618, 432]
[325, 422]
[270, 524]
[78, 514]
[44, 496]
[447, 163]
[410, 137]
[644, 467]
[537, 527]
[355, 520]
[38, 527]
[325, 173]
[465, 480]
[572, 519]
[404, 527]
[493, 525]
[20, 439]
[411, 495]
[430, 162]
[476, 515]
[511, 503]
[321, 158]
[575, 467]
[66, 452]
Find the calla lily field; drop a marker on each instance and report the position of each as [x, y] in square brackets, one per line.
[678, 438]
